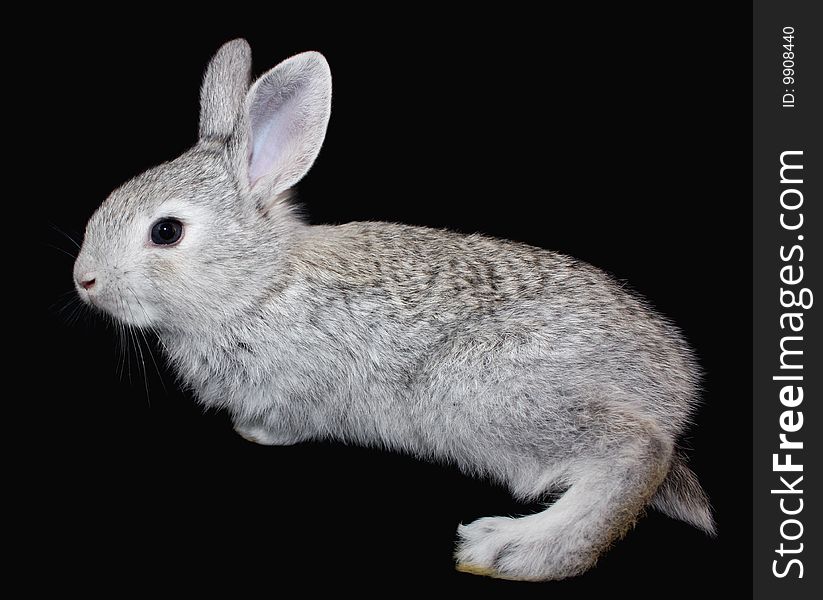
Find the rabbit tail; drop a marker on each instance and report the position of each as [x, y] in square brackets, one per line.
[681, 497]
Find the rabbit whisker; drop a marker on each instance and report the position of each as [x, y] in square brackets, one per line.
[145, 339]
[138, 349]
[60, 231]
[66, 252]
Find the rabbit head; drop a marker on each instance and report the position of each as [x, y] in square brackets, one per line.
[199, 238]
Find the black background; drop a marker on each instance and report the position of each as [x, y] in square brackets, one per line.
[621, 138]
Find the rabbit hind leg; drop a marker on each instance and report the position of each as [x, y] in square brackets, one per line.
[606, 495]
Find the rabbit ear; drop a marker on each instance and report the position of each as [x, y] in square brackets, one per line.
[287, 114]
[223, 93]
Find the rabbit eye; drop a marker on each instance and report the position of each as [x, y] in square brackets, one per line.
[166, 232]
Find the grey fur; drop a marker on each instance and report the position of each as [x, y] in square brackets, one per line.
[509, 361]
[224, 91]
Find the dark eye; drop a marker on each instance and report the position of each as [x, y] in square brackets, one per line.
[166, 232]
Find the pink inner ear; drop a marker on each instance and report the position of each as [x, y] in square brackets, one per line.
[273, 125]
[288, 113]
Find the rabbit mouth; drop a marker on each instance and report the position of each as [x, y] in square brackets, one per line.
[130, 310]
[125, 307]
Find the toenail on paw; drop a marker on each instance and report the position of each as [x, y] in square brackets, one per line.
[476, 570]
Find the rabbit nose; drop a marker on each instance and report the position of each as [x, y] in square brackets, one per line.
[87, 281]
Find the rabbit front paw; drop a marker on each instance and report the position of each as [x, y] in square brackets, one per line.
[260, 434]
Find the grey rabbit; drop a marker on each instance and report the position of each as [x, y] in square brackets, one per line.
[511, 362]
